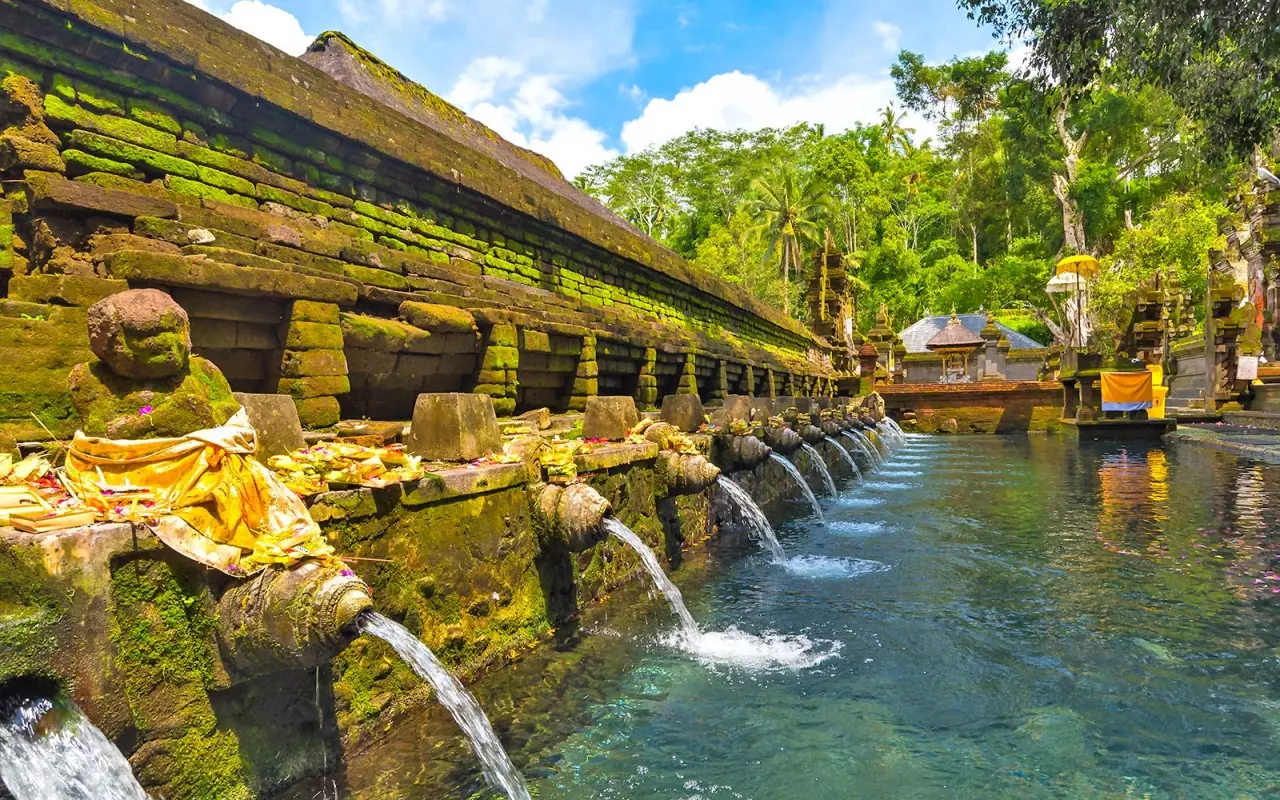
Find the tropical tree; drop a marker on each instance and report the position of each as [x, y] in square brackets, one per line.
[788, 210]
[896, 137]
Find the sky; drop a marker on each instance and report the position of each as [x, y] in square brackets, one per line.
[583, 81]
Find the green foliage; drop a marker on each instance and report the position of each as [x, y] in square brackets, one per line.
[1218, 57]
[1172, 242]
[1022, 174]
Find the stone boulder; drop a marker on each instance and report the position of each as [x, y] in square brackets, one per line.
[683, 412]
[140, 334]
[109, 405]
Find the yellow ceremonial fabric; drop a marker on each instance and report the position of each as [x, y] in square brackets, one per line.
[211, 500]
[1126, 389]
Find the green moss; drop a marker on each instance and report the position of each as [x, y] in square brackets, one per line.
[377, 277]
[163, 630]
[313, 336]
[109, 405]
[125, 130]
[204, 191]
[79, 162]
[227, 181]
[119, 151]
[155, 115]
[297, 201]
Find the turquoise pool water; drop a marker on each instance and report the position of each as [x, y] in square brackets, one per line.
[1037, 620]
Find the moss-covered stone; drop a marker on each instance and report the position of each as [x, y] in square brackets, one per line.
[438, 318]
[204, 191]
[163, 629]
[313, 363]
[117, 407]
[313, 336]
[319, 412]
[55, 108]
[79, 162]
[155, 115]
[304, 388]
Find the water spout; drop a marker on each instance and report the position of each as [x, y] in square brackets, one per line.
[752, 517]
[570, 517]
[50, 751]
[498, 769]
[660, 580]
[294, 618]
[828, 483]
[687, 473]
[853, 465]
[800, 482]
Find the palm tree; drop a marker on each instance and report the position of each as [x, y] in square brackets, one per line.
[893, 134]
[788, 210]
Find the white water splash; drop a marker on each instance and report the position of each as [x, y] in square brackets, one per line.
[828, 567]
[766, 652]
[847, 528]
[50, 751]
[900, 473]
[498, 769]
[889, 486]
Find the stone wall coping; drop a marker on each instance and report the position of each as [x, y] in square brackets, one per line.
[978, 387]
[214, 49]
[610, 456]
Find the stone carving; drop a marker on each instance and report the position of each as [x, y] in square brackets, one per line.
[145, 383]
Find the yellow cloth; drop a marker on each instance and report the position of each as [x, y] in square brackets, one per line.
[212, 501]
[1126, 388]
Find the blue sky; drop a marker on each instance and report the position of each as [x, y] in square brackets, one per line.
[585, 80]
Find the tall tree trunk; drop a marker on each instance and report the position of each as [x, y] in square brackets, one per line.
[786, 275]
[973, 229]
[1072, 216]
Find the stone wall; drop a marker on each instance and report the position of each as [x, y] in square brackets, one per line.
[988, 407]
[149, 144]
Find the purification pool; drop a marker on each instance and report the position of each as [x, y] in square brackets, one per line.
[1029, 618]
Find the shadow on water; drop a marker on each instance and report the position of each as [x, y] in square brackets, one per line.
[1059, 621]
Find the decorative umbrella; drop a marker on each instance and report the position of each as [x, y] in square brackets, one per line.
[1086, 266]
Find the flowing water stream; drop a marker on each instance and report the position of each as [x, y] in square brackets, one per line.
[803, 485]
[828, 483]
[839, 448]
[50, 751]
[752, 518]
[861, 444]
[660, 580]
[498, 769]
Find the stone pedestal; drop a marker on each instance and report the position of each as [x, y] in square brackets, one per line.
[609, 417]
[454, 427]
[275, 418]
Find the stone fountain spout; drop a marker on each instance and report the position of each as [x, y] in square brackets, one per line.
[687, 473]
[570, 517]
[735, 453]
[783, 440]
[295, 618]
[831, 428]
[811, 433]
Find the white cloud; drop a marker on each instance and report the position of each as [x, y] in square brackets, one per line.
[528, 109]
[273, 25]
[890, 36]
[735, 100]
[355, 12]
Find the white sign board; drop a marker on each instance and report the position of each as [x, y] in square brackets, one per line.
[1247, 368]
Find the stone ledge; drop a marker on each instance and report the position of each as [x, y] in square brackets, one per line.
[609, 456]
[144, 267]
[462, 481]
